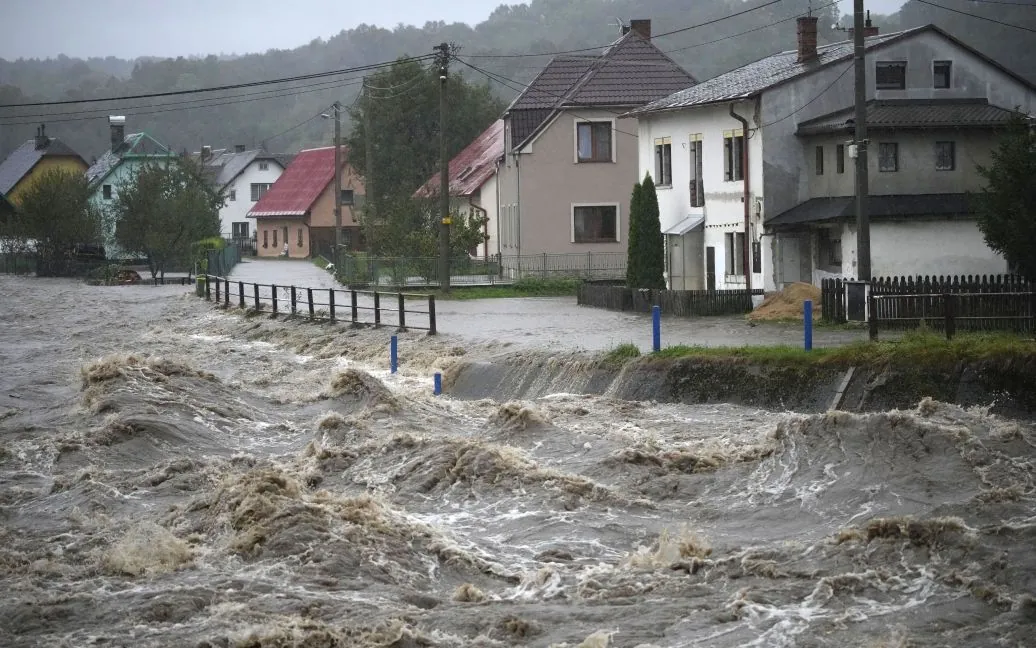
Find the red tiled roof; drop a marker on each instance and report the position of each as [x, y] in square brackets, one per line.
[300, 185]
[470, 169]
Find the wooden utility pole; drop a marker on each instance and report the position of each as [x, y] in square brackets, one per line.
[863, 229]
[369, 208]
[338, 182]
[444, 173]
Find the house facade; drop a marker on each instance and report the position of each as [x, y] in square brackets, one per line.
[119, 167]
[29, 162]
[474, 186]
[244, 176]
[298, 210]
[570, 159]
[934, 107]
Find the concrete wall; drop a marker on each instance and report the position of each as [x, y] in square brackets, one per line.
[724, 208]
[929, 248]
[45, 164]
[236, 211]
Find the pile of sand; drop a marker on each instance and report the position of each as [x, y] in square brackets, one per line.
[787, 304]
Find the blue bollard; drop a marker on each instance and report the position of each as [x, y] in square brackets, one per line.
[394, 354]
[807, 323]
[438, 384]
[656, 328]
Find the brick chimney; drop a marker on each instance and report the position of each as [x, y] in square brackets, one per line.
[206, 152]
[239, 148]
[117, 125]
[807, 33]
[41, 137]
[868, 28]
[642, 27]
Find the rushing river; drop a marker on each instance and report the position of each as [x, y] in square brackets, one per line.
[176, 475]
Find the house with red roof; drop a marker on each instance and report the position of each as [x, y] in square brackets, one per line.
[473, 187]
[299, 209]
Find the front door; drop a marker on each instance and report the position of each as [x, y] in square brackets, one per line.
[710, 267]
[790, 262]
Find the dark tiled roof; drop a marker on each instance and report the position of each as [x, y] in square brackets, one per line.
[300, 185]
[284, 159]
[630, 72]
[470, 169]
[824, 210]
[25, 157]
[914, 114]
[136, 144]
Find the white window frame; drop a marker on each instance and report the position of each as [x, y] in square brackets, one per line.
[739, 163]
[949, 85]
[572, 221]
[264, 166]
[663, 182]
[575, 139]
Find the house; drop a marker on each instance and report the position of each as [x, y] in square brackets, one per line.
[473, 184]
[934, 105]
[119, 166]
[26, 164]
[299, 209]
[244, 176]
[570, 157]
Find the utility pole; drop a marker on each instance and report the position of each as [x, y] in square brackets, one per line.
[444, 174]
[863, 228]
[369, 210]
[338, 182]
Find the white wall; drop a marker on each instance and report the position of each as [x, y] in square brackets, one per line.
[930, 248]
[236, 211]
[485, 199]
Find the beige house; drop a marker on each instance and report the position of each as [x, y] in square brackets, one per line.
[570, 162]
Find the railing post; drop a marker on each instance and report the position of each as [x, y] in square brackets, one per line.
[255, 290]
[431, 314]
[807, 323]
[949, 306]
[208, 288]
[294, 308]
[377, 309]
[273, 297]
[331, 303]
[656, 328]
[872, 317]
[241, 294]
[226, 293]
[402, 312]
[394, 354]
[438, 384]
[309, 298]
[354, 307]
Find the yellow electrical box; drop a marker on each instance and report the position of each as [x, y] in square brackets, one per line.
[447, 221]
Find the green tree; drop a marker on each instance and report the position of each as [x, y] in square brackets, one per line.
[646, 265]
[1007, 204]
[55, 215]
[163, 210]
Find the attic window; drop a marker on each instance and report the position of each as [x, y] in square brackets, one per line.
[347, 196]
[106, 192]
[890, 75]
[941, 74]
[465, 173]
[263, 166]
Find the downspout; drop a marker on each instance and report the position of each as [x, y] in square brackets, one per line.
[499, 248]
[518, 208]
[745, 253]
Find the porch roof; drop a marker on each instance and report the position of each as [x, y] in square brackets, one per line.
[686, 225]
[816, 211]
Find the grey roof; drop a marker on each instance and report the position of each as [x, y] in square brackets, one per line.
[825, 210]
[25, 157]
[630, 72]
[135, 144]
[225, 164]
[915, 114]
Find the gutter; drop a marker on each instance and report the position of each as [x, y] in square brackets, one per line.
[746, 260]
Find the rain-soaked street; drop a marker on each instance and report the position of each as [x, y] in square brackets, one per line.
[173, 474]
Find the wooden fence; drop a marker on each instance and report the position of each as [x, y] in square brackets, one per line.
[357, 307]
[682, 303]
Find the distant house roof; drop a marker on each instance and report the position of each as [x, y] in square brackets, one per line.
[630, 72]
[752, 79]
[915, 114]
[826, 210]
[134, 145]
[22, 160]
[470, 168]
[300, 185]
[225, 165]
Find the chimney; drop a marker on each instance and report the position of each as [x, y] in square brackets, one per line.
[41, 137]
[206, 152]
[239, 148]
[117, 124]
[807, 33]
[868, 28]
[642, 27]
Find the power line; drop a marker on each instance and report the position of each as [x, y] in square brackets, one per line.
[288, 130]
[236, 86]
[815, 97]
[965, 13]
[749, 31]
[1028, 5]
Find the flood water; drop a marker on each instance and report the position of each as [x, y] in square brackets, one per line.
[176, 475]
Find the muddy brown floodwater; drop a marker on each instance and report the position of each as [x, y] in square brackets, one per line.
[175, 475]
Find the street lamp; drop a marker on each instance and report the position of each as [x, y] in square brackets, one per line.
[336, 109]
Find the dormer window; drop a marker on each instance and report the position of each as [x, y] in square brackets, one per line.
[941, 74]
[890, 75]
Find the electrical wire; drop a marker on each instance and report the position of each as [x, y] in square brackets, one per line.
[965, 13]
[1029, 5]
[288, 130]
[815, 97]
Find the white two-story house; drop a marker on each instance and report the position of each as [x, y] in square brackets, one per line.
[935, 106]
[244, 176]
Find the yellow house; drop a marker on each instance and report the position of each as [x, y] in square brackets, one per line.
[31, 160]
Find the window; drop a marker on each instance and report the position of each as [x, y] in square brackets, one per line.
[664, 161]
[697, 186]
[259, 189]
[266, 238]
[888, 156]
[890, 75]
[820, 160]
[735, 253]
[274, 238]
[733, 156]
[347, 196]
[945, 156]
[106, 191]
[233, 195]
[300, 237]
[594, 141]
[239, 230]
[263, 166]
[941, 74]
[829, 248]
[840, 158]
[595, 224]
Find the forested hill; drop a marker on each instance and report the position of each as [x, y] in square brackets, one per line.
[542, 26]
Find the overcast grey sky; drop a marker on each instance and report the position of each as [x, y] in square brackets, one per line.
[131, 28]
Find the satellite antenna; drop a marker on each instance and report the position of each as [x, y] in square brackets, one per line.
[619, 25]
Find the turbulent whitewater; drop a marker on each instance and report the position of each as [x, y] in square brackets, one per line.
[176, 475]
